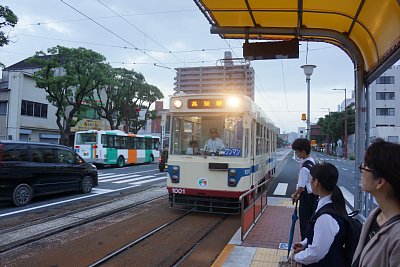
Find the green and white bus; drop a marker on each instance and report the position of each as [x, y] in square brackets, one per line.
[114, 147]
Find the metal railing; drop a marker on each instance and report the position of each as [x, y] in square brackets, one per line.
[257, 203]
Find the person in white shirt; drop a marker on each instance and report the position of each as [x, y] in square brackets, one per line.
[325, 236]
[214, 144]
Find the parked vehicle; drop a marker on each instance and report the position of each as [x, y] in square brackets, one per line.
[29, 169]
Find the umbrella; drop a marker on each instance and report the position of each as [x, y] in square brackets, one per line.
[294, 219]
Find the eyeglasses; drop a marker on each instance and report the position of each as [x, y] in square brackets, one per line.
[363, 168]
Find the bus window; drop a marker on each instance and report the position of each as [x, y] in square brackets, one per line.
[148, 143]
[86, 138]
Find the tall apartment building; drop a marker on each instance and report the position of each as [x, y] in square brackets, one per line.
[228, 78]
[384, 96]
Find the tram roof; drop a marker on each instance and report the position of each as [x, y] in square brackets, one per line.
[371, 26]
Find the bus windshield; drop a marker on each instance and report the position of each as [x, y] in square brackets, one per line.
[86, 138]
[209, 135]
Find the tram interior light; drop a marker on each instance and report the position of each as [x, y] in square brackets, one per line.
[233, 102]
[178, 103]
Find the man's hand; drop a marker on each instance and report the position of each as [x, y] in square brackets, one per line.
[297, 247]
[295, 197]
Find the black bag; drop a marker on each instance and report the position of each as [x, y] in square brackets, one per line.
[308, 164]
[353, 231]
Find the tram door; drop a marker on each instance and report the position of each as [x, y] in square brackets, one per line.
[253, 150]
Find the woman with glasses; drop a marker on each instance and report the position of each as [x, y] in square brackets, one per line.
[325, 236]
[379, 243]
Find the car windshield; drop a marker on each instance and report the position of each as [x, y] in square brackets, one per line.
[208, 135]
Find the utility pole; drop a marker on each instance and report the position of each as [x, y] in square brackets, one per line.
[345, 123]
[308, 70]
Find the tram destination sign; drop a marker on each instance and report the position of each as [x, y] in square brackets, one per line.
[206, 103]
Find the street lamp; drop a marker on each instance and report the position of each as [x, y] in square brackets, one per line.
[345, 123]
[308, 70]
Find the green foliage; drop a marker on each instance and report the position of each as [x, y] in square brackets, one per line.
[333, 124]
[69, 76]
[125, 93]
[7, 19]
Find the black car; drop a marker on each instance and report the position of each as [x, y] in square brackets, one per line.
[162, 161]
[29, 169]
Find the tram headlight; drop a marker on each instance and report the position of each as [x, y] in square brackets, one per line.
[233, 102]
[232, 182]
[174, 173]
[175, 178]
[178, 103]
[175, 169]
[232, 172]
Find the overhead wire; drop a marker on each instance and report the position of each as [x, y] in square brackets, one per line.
[113, 33]
[145, 34]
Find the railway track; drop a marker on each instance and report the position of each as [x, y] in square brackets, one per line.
[16, 233]
[149, 234]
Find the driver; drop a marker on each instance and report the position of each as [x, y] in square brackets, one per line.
[214, 143]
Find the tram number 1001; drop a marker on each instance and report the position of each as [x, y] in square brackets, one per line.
[178, 191]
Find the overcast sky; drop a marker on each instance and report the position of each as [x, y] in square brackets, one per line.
[154, 37]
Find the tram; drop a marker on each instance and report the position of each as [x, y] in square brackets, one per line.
[114, 147]
[211, 179]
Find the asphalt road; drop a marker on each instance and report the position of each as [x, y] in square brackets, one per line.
[144, 176]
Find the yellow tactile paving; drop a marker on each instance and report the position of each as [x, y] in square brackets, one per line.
[266, 257]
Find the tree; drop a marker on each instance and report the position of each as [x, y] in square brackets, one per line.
[69, 76]
[7, 19]
[333, 125]
[125, 94]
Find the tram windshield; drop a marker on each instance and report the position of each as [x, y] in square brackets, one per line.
[209, 135]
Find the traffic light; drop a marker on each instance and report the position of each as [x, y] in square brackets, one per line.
[303, 117]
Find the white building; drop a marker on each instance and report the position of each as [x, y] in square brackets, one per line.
[25, 113]
[228, 78]
[384, 106]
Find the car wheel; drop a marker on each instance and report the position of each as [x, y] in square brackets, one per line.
[121, 161]
[86, 185]
[22, 195]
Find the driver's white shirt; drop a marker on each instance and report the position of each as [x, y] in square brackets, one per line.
[214, 145]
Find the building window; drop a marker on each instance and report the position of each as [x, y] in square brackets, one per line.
[385, 80]
[3, 108]
[34, 109]
[384, 95]
[385, 112]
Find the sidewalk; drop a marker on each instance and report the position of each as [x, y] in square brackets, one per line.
[261, 246]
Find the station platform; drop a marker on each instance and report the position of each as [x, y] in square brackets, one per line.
[266, 244]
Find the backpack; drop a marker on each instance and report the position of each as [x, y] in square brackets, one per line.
[308, 164]
[353, 231]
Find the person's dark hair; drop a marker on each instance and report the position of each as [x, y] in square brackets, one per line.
[327, 176]
[383, 158]
[302, 144]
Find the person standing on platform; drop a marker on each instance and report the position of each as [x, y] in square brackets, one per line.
[308, 200]
[326, 234]
[379, 243]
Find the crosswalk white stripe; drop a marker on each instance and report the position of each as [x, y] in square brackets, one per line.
[106, 174]
[148, 181]
[281, 189]
[113, 176]
[133, 179]
[119, 178]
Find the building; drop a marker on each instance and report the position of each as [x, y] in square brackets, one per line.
[228, 78]
[25, 113]
[384, 107]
